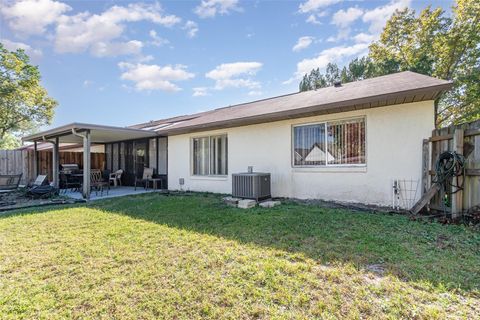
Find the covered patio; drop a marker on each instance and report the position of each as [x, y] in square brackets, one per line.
[86, 135]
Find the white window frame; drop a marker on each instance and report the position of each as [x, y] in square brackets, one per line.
[209, 137]
[327, 165]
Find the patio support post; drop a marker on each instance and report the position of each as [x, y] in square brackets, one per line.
[35, 160]
[86, 165]
[55, 164]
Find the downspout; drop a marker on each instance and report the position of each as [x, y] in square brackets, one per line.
[75, 133]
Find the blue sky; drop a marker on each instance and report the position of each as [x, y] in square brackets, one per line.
[122, 62]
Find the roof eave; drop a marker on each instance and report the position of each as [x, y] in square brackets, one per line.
[335, 107]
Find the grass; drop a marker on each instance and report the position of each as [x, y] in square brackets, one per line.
[188, 257]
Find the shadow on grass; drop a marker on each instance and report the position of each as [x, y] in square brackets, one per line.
[443, 256]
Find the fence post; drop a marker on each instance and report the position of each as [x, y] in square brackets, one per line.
[425, 165]
[457, 197]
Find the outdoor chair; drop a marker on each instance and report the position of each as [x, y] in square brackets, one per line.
[40, 181]
[10, 181]
[146, 177]
[116, 177]
[42, 192]
[97, 182]
[41, 188]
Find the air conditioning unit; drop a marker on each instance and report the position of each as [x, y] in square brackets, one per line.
[251, 185]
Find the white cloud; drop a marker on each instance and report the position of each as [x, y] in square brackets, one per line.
[344, 18]
[315, 5]
[200, 91]
[191, 27]
[157, 41]
[100, 33]
[342, 34]
[313, 19]
[334, 55]
[378, 16]
[364, 38]
[303, 43]
[29, 17]
[255, 93]
[229, 70]
[210, 8]
[113, 49]
[12, 46]
[142, 58]
[237, 74]
[87, 83]
[154, 77]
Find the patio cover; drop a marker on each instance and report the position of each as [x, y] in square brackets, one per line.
[86, 134]
[98, 133]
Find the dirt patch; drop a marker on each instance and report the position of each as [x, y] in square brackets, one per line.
[376, 269]
[347, 205]
[19, 199]
[443, 242]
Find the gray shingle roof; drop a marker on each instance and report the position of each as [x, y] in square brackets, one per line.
[402, 87]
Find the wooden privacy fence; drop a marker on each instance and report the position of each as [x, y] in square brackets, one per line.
[23, 161]
[14, 162]
[463, 139]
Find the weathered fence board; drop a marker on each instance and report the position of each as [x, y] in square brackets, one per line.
[11, 162]
[23, 161]
[468, 136]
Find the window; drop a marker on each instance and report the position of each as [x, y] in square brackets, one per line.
[330, 143]
[210, 155]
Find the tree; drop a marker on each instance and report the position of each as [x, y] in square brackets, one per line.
[9, 141]
[436, 45]
[24, 103]
[357, 69]
[443, 47]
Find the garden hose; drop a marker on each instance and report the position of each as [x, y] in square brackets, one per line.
[448, 168]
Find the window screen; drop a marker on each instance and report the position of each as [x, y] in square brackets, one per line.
[329, 143]
[210, 155]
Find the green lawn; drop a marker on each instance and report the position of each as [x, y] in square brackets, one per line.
[188, 257]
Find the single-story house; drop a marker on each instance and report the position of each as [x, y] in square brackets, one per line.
[346, 142]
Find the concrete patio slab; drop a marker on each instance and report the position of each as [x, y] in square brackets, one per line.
[113, 193]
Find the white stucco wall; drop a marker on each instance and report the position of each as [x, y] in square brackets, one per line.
[394, 150]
